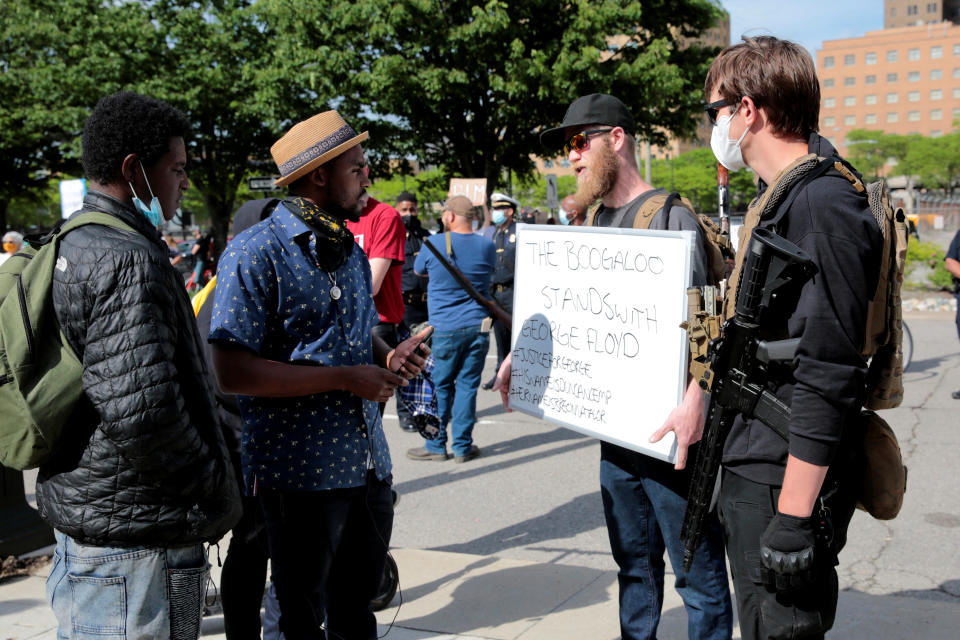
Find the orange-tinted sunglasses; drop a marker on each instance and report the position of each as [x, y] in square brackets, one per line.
[579, 142]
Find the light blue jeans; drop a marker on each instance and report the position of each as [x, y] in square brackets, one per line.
[458, 363]
[120, 593]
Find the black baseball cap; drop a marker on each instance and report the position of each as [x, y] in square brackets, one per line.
[596, 108]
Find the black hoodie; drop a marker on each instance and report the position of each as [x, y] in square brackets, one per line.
[832, 222]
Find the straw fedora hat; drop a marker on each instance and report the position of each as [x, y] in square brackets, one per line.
[311, 143]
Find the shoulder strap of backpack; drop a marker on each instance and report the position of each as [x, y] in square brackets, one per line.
[654, 204]
[94, 217]
[592, 215]
[825, 165]
[647, 210]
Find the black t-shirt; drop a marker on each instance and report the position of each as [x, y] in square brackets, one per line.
[204, 243]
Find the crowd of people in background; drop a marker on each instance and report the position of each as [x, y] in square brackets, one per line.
[327, 303]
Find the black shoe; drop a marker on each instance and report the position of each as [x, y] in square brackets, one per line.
[955, 395]
[489, 383]
[409, 427]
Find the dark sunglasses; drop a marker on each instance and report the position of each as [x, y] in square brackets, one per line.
[714, 107]
[579, 142]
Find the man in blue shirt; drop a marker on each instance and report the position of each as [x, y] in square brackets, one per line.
[462, 337]
[292, 338]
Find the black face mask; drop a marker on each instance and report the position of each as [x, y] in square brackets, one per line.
[410, 222]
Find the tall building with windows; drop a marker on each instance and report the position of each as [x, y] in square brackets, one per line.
[902, 80]
[910, 13]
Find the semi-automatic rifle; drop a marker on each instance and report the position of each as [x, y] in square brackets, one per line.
[739, 360]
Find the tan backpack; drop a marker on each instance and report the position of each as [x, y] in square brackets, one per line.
[883, 337]
[882, 474]
[716, 245]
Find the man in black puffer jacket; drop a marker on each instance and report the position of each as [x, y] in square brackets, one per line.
[145, 477]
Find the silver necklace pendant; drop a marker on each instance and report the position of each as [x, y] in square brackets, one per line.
[335, 292]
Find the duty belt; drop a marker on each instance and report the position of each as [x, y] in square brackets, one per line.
[414, 297]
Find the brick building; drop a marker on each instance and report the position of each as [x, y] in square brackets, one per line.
[901, 80]
[909, 13]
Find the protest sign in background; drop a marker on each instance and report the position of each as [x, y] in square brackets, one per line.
[597, 343]
[473, 188]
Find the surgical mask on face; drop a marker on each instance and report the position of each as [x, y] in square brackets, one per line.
[727, 151]
[563, 217]
[498, 217]
[475, 224]
[153, 213]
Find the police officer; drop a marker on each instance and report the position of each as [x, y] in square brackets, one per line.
[414, 286]
[503, 208]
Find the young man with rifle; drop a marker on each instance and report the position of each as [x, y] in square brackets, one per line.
[786, 498]
[462, 336]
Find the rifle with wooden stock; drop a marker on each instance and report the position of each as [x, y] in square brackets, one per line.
[495, 310]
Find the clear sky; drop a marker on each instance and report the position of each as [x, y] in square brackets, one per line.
[807, 22]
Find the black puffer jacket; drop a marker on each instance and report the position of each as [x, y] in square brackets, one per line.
[146, 463]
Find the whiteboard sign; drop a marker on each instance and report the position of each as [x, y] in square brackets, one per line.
[597, 343]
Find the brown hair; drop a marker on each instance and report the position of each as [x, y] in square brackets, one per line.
[777, 75]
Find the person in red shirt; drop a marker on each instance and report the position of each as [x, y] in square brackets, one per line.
[382, 236]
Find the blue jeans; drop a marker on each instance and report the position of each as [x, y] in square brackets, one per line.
[116, 593]
[459, 356]
[643, 502]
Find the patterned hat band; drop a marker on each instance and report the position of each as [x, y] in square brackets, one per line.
[338, 137]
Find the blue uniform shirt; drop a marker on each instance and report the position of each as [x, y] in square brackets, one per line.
[272, 298]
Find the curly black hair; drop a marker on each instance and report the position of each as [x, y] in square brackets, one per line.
[126, 123]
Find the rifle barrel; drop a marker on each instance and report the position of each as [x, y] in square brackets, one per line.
[498, 313]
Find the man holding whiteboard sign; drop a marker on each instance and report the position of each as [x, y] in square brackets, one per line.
[644, 498]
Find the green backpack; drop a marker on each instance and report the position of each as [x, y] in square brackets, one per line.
[39, 372]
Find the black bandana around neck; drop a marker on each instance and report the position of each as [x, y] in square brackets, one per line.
[334, 240]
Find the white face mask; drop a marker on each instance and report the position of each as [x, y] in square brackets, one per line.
[727, 151]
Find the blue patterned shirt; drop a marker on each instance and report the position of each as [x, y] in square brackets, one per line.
[272, 298]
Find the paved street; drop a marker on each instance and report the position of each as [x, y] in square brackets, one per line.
[513, 544]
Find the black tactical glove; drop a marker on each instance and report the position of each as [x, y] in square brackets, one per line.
[786, 552]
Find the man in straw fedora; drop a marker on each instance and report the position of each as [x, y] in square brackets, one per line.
[292, 337]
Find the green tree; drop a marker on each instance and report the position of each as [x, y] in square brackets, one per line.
[213, 59]
[870, 150]
[218, 64]
[694, 175]
[865, 151]
[465, 86]
[56, 60]
[935, 161]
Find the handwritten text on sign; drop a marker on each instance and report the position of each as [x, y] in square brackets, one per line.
[597, 345]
